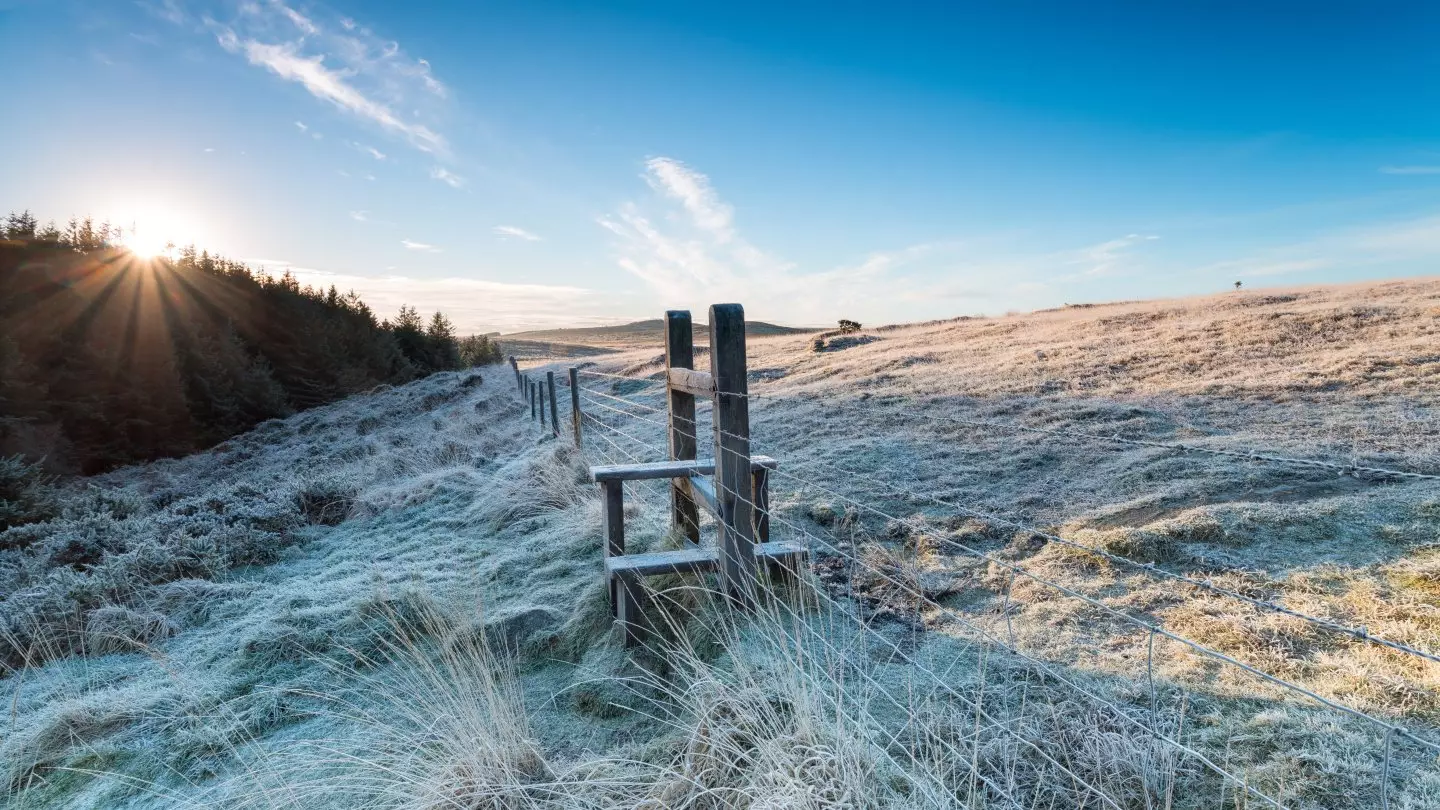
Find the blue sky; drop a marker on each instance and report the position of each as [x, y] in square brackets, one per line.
[535, 164]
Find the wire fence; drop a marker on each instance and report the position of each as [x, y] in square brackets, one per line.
[870, 580]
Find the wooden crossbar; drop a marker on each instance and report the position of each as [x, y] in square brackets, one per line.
[688, 560]
[706, 491]
[626, 575]
[697, 383]
[668, 469]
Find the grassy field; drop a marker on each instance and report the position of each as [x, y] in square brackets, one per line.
[394, 601]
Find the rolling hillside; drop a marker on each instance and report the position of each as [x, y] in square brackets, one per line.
[395, 600]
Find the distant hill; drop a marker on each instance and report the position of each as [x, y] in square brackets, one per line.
[583, 341]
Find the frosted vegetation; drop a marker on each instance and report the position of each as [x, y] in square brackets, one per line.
[395, 601]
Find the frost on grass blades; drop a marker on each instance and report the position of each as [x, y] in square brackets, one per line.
[394, 600]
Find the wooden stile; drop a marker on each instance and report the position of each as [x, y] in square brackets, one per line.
[737, 494]
[680, 354]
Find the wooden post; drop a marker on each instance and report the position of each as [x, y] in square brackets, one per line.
[760, 496]
[680, 353]
[630, 608]
[540, 397]
[575, 404]
[519, 384]
[732, 453]
[613, 495]
[531, 387]
[554, 412]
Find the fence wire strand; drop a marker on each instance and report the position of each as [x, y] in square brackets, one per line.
[1390, 730]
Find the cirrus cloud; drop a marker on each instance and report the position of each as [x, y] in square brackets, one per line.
[347, 66]
[517, 233]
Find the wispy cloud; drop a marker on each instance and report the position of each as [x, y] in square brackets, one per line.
[474, 305]
[447, 177]
[1410, 169]
[692, 189]
[1105, 258]
[685, 244]
[302, 126]
[341, 63]
[419, 246]
[300, 21]
[367, 218]
[371, 151]
[518, 233]
[1409, 245]
[167, 10]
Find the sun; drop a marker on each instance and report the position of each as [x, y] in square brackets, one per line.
[146, 246]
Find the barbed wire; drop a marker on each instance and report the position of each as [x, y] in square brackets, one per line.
[597, 403]
[590, 373]
[1126, 617]
[856, 560]
[1360, 633]
[1111, 706]
[1344, 468]
[1390, 729]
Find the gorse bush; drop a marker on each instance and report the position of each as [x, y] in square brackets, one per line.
[25, 494]
[107, 359]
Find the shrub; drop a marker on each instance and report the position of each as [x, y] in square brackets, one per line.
[848, 326]
[25, 493]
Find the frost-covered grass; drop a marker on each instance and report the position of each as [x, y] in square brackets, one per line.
[395, 601]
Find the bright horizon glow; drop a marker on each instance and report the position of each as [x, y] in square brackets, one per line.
[146, 246]
[149, 230]
[524, 166]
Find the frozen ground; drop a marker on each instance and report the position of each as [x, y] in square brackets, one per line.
[292, 617]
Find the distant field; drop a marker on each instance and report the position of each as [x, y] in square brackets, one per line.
[582, 342]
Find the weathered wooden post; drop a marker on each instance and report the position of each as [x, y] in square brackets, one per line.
[530, 386]
[760, 497]
[575, 404]
[554, 412]
[613, 493]
[732, 453]
[519, 384]
[680, 353]
[540, 398]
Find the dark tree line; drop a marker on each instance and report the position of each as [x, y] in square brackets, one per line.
[108, 359]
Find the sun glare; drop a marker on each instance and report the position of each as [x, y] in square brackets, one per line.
[145, 246]
[149, 231]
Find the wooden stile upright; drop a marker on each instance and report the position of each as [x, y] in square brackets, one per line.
[575, 404]
[680, 354]
[732, 453]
